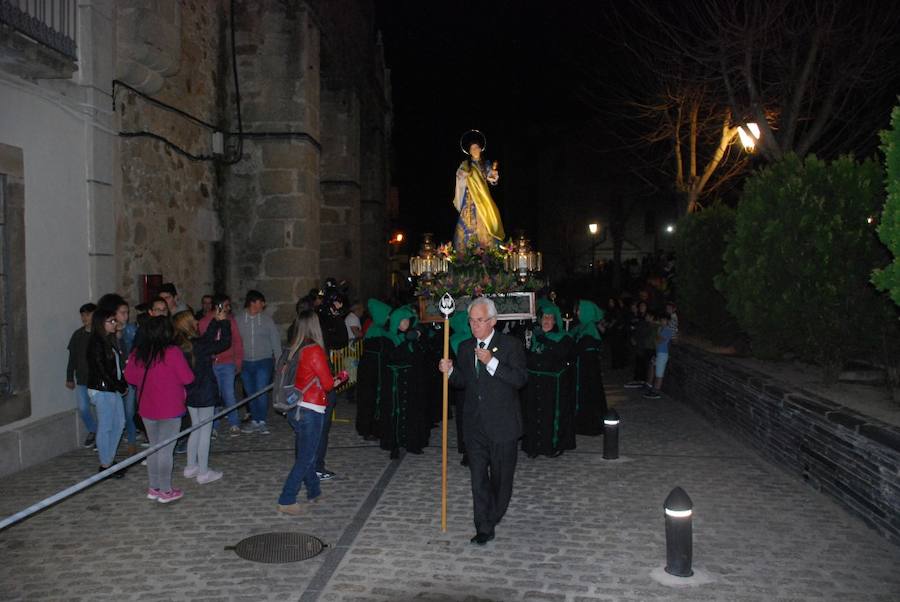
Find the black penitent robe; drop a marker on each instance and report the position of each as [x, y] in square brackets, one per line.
[368, 386]
[405, 421]
[590, 397]
[548, 403]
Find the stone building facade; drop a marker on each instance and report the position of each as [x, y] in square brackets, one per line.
[221, 150]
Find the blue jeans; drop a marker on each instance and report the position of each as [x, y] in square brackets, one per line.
[130, 407]
[225, 379]
[257, 375]
[84, 408]
[307, 425]
[110, 420]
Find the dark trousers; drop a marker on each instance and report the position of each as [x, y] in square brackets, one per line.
[458, 400]
[642, 363]
[492, 467]
[331, 399]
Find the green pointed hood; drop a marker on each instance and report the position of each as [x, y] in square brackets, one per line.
[588, 316]
[459, 329]
[546, 306]
[397, 316]
[380, 312]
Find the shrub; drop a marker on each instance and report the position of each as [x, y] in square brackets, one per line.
[796, 272]
[699, 248]
[888, 279]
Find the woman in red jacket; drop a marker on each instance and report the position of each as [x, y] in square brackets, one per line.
[313, 380]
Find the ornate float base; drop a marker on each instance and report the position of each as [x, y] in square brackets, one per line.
[510, 306]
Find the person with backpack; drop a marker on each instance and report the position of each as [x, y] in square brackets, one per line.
[312, 382]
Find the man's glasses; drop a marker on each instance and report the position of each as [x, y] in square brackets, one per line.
[112, 321]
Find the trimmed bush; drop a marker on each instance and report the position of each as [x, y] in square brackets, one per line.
[888, 279]
[699, 247]
[796, 272]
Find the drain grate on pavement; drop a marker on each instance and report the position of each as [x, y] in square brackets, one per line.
[278, 547]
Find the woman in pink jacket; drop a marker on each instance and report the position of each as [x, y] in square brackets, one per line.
[159, 371]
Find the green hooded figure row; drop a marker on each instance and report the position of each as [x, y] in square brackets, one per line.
[548, 404]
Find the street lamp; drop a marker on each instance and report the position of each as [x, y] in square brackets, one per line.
[594, 229]
[749, 136]
[670, 228]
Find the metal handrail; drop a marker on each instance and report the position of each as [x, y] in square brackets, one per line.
[70, 491]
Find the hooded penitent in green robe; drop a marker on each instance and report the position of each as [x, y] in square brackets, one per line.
[404, 416]
[380, 312]
[590, 397]
[459, 329]
[588, 316]
[547, 400]
[369, 388]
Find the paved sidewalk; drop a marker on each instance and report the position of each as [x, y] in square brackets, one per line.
[579, 528]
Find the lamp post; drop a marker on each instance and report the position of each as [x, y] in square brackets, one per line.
[679, 510]
[611, 435]
[749, 135]
[594, 230]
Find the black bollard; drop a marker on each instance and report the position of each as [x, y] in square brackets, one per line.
[679, 533]
[611, 435]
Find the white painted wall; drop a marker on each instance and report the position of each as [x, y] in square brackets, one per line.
[63, 129]
[52, 139]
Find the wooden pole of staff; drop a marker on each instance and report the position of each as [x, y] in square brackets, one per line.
[447, 305]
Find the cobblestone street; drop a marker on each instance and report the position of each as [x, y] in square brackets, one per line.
[579, 528]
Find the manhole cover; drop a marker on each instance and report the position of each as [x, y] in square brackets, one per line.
[278, 547]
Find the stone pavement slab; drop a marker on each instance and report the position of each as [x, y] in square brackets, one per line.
[579, 528]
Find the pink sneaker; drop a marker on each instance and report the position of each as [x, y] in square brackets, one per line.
[153, 494]
[170, 496]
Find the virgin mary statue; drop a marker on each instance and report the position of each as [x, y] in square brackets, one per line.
[479, 219]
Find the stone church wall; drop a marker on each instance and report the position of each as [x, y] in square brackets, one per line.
[166, 221]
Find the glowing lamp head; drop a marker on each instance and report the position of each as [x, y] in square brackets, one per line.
[593, 228]
[670, 228]
[749, 134]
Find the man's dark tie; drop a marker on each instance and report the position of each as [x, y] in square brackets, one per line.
[478, 361]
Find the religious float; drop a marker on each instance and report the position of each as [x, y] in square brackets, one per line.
[479, 261]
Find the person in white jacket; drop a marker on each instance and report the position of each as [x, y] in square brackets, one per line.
[262, 346]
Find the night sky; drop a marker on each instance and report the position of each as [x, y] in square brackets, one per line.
[505, 68]
[518, 71]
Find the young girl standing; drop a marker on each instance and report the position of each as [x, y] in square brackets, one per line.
[202, 394]
[159, 371]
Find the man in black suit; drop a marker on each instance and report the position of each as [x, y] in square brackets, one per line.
[492, 416]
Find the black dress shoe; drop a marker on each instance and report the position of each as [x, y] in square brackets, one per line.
[557, 453]
[482, 538]
[465, 460]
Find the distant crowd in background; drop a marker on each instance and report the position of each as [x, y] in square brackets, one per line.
[147, 380]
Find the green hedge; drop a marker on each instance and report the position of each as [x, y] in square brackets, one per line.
[796, 272]
[888, 279]
[699, 246]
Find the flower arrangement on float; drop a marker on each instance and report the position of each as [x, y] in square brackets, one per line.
[505, 272]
